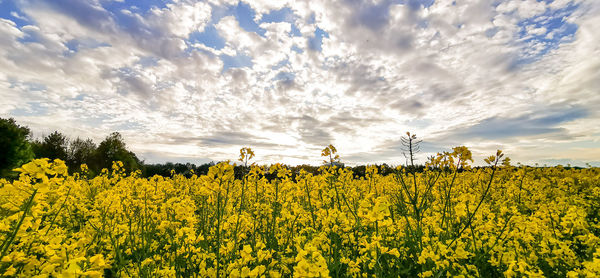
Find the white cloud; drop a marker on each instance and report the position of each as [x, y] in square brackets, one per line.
[444, 72]
[181, 19]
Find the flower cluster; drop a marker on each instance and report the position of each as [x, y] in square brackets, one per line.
[447, 220]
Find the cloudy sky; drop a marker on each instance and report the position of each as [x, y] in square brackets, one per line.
[196, 81]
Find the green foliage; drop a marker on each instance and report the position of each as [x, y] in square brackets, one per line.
[53, 146]
[113, 148]
[14, 146]
[80, 152]
[170, 168]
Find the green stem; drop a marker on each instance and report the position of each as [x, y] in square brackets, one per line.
[8, 241]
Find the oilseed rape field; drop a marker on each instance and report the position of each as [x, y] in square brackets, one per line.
[447, 220]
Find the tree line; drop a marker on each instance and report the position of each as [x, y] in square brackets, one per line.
[17, 147]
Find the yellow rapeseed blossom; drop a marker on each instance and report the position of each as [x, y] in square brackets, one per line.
[448, 220]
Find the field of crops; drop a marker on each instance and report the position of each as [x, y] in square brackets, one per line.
[448, 220]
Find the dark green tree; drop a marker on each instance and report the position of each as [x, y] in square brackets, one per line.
[113, 148]
[52, 146]
[80, 152]
[14, 146]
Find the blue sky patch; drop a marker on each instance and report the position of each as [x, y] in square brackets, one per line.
[316, 42]
[10, 11]
[297, 49]
[543, 33]
[33, 109]
[281, 64]
[238, 61]
[295, 31]
[285, 76]
[29, 37]
[29, 86]
[417, 4]
[135, 6]
[282, 15]
[80, 97]
[75, 45]
[210, 37]
[148, 61]
[245, 16]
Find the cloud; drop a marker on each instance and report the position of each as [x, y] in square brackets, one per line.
[88, 13]
[311, 130]
[539, 123]
[228, 138]
[186, 78]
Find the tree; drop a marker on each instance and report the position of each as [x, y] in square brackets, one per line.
[14, 146]
[112, 149]
[80, 152]
[410, 146]
[53, 146]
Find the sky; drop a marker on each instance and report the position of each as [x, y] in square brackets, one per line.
[189, 81]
